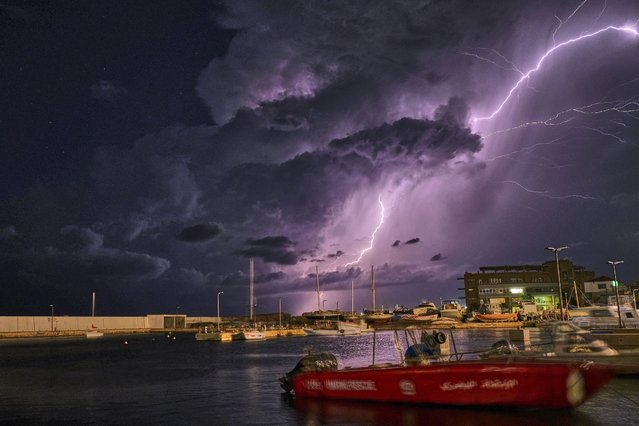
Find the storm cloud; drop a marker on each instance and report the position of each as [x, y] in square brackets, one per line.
[327, 134]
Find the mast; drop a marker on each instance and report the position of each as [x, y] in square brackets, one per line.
[352, 297]
[251, 275]
[318, 291]
[93, 305]
[373, 285]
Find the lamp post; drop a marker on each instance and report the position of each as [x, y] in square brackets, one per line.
[614, 264]
[561, 298]
[323, 302]
[218, 309]
[51, 317]
[280, 313]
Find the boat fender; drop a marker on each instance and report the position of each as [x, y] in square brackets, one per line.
[440, 337]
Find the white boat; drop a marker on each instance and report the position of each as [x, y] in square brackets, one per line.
[590, 317]
[335, 328]
[451, 309]
[93, 332]
[249, 335]
[426, 308]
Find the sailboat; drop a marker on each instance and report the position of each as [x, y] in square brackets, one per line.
[375, 315]
[250, 333]
[93, 333]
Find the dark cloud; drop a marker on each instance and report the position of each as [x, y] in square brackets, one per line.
[276, 249]
[75, 239]
[200, 233]
[337, 254]
[396, 243]
[412, 140]
[437, 257]
[412, 241]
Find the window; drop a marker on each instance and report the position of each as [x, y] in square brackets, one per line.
[601, 286]
[495, 280]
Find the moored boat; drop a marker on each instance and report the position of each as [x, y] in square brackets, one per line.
[249, 335]
[496, 317]
[573, 344]
[93, 332]
[376, 315]
[427, 374]
[334, 328]
[426, 308]
[462, 383]
[451, 309]
[594, 317]
[207, 334]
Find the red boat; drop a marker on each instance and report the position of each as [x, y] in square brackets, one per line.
[460, 383]
[496, 317]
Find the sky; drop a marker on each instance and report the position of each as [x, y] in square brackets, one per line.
[150, 148]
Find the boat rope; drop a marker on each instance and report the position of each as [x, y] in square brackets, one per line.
[398, 346]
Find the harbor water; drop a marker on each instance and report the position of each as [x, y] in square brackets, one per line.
[174, 379]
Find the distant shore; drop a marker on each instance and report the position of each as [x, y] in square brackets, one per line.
[270, 333]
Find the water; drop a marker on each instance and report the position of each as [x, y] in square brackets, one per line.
[147, 379]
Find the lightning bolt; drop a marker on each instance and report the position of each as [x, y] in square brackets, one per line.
[546, 195]
[628, 108]
[379, 225]
[526, 76]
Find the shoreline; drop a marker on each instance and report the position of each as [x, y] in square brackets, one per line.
[294, 332]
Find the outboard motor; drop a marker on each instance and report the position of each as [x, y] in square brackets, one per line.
[429, 347]
[310, 363]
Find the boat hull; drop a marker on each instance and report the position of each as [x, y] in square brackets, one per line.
[215, 336]
[250, 335]
[461, 384]
[94, 334]
[496, 317]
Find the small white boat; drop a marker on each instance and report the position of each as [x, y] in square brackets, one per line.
[426, 308]
[451, 309]
[93, 333]
[249, 335]
[335, 328]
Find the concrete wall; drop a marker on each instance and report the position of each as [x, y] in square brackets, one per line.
[11, 324]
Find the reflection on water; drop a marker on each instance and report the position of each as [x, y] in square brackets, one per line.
[327, 412]
[151, 379]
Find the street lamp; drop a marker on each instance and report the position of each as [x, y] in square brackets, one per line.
[561, 302]
[323, 301]
[280, 313]
[51, 317]
[614, 264]
[218, 309]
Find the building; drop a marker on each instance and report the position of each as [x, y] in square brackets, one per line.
[501, 288]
